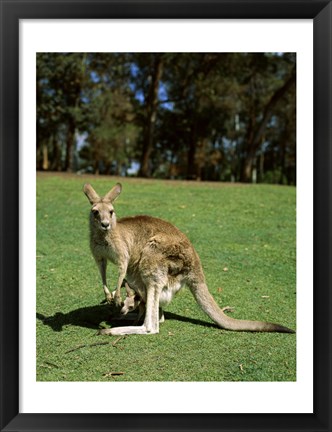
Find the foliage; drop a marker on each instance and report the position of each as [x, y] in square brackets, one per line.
[245, 237]
[209, 116]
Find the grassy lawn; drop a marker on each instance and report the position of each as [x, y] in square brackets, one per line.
[245, 237]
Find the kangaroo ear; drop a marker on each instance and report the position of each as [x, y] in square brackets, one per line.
[113, 193]
[129, 291]
[92, 195]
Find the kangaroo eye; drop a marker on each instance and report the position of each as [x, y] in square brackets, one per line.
[95, 212]
[111, 212]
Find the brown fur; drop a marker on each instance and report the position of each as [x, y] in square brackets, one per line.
[157, 260]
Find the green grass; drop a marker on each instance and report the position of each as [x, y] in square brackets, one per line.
[245, 236]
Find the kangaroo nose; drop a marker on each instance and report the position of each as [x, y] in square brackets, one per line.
[105, 224]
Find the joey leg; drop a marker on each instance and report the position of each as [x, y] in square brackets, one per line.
[141, 311]
[161, 315]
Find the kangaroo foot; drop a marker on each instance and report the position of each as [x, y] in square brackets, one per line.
[119, 331]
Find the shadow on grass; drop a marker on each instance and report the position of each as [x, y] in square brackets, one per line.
[93, 317]
[176, 317]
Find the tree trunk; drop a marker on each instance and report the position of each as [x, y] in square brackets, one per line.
[56, 154]
[200, 158]
[247, 167]
[192, 149]
[191, 165]
[261, 167]
[254, 141]
[45, 157]
[152, 104]
[70, 146]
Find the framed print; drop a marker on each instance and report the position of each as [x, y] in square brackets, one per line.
[91, 392]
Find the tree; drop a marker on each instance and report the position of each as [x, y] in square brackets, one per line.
[147, 70]
[109, 119]
[256, 131]
[60, 79]
[209, 116]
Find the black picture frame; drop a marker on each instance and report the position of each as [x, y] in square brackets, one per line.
[11, 12]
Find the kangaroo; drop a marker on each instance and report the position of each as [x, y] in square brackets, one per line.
[157, 260]
[134, 301]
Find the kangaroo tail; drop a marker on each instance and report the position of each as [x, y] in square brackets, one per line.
[210, 307]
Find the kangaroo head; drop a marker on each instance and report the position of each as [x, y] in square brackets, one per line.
[102, 210]
[130, 304]
[131, 301]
